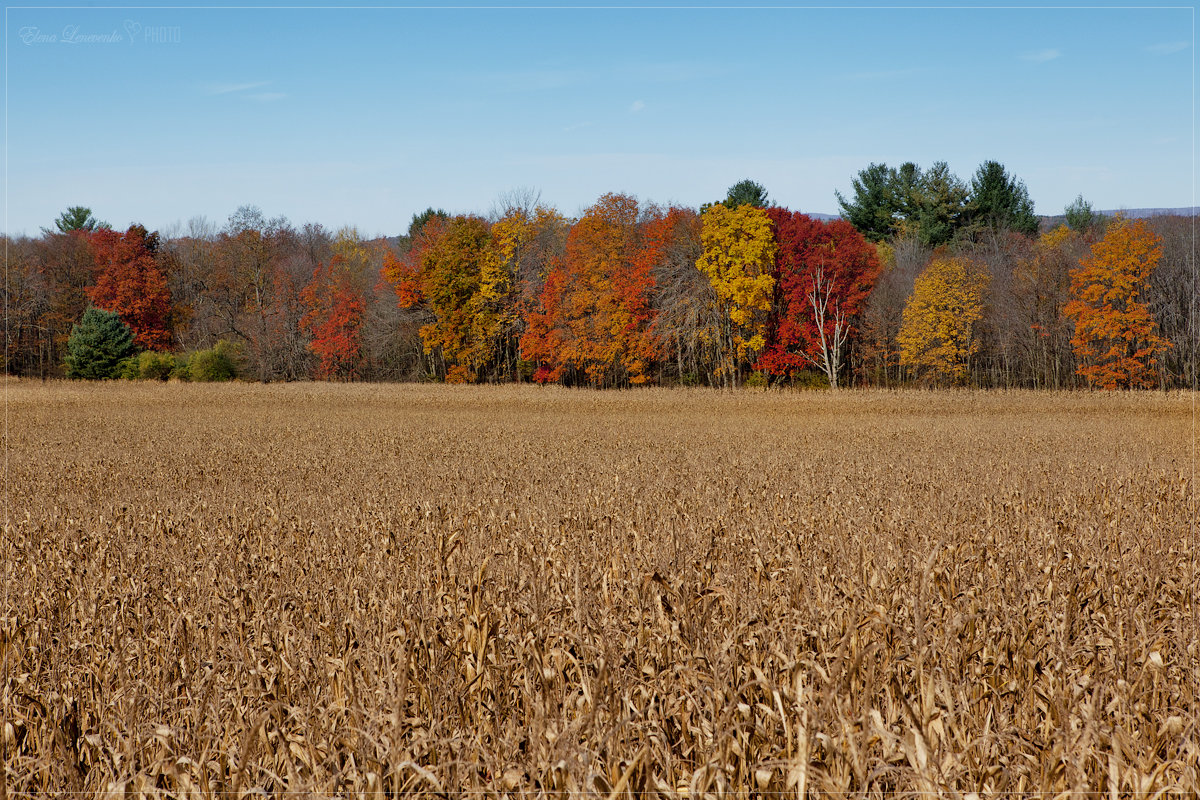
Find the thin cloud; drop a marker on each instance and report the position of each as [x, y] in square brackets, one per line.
[266, 97]
[1166, 48]
[576, 126]
[230, 88]
[637, 106]
[1041, 56]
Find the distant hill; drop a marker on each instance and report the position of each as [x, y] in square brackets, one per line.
[1136, 213]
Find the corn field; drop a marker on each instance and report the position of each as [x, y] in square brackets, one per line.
[371, 590]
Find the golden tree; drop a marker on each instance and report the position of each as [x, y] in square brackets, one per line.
[937, 337]
[739, 254]
[1116, 340]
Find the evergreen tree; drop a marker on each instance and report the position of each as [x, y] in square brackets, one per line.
[1000, 201]
[941, 205]
[1080, 216]
[746, 193]
[98, 343]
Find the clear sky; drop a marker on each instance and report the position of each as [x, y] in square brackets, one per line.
[364, 116]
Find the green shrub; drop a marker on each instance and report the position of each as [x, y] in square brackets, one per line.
[182, 370]
[148, 366]
[221, 363]
[98, 344]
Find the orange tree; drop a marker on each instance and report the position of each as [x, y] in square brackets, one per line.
[1116, 341]
[594, 320]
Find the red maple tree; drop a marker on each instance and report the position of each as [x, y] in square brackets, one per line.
[130, 282]
[824, 272]
[333, 318]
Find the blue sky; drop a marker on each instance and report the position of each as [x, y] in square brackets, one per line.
[366, 116]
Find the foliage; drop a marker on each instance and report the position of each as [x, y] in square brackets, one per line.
[335, 308]
[757, 380]
[999, 200]
[940, 205]
[824, 273]
[98, 343]
[885, 200]
[930, 205]
[1116, 340]
[738, 258]
[595, 319]
[77, 218]
[1040, 286]
[937, 338]
[746, 193]
[221, 362]
[423, 218]
[148, 366]
[467, 287]
[1079, 215]
[130, 282]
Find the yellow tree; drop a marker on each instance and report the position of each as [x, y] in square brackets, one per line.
[1116, 341]
[739, 254]
[937, 335]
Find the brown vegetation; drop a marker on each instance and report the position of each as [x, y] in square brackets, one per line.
[512, 591]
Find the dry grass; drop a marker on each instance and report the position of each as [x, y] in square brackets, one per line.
[379, 590]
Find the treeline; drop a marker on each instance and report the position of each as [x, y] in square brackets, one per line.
[926, 279]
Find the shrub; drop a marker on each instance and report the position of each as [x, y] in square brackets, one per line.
[221, 363]
[148, 366]
[98, 343]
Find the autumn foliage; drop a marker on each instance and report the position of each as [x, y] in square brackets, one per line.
[334, 308]
[824, 272]
[632, 294]
[595, 316]
[130, 283]
[1116, 341]
[938, 336]
[738, 258]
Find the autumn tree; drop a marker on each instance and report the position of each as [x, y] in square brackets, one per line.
[130, 283]
[738, 258]
[527, 241]
[901, 261]
[687, 324]
[1116, 339]
[467, 286]
[1171, 296]
[937, 337]
[824, 273]
[334, 308]
[594, 319]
